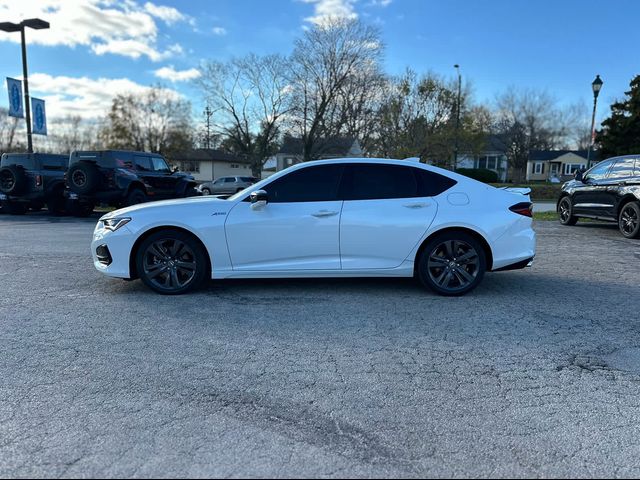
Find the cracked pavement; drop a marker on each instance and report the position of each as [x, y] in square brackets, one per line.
[534, 374]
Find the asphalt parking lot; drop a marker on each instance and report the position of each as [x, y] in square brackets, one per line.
[535, 374]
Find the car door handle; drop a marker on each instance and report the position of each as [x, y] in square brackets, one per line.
[324, 213]
[415, 205]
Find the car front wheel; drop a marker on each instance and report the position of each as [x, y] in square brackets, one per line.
[206, 191]
[171, 262]
[452, 264]
[629, 220]
[565, 212]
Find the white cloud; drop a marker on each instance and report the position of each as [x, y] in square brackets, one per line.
[380, 3]
[219, 31]
[171, 74]
[328, 9]
[105, 26]
[168, 15]
[89, 98]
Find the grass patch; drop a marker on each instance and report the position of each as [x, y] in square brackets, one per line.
[545, 216]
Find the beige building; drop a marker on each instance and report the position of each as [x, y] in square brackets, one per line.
[556, 165]
[209, 164]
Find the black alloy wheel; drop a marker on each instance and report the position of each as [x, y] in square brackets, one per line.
[565, 212]
[171, 262]
[452, 264]
[629, 220]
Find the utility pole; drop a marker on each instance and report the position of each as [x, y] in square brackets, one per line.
[207, 139]
[36, 24]
[457, 139]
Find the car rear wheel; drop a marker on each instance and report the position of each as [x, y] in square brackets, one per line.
[171, 262]
[452, 264]
[206, 191]
[565, 212]
[629, 220]
[135, 197]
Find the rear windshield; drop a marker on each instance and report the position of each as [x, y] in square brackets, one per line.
[25, 160]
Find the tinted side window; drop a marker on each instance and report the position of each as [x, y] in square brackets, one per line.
[230, 180]
[142, 163]
[623, 168]
[312, 184]
[431, 184]
[599, 171]
[374, 181]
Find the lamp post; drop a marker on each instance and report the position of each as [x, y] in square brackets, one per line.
[456, 144]
[36, 24]
[596, 85]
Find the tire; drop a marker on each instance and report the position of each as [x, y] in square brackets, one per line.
[14, 208]
[191, 192]
[13, 180]
[171, 262]
[83, 178]
[135, 197]
[206, 191]
[452, 263]
[56, 203]
[565, 212]
[78, 209]
[629, 220]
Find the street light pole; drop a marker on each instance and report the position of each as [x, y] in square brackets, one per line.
[457, 140]
[36, 24]
[596, 85]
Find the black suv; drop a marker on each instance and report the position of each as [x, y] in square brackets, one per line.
[608, 191]
[123, 178]
[29, 180]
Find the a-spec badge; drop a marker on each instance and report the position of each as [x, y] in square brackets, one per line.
[218, 213]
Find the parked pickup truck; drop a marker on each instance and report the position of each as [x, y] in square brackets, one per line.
[31, 180]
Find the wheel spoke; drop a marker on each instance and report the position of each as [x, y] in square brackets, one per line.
[466, 275]
[176, 249]
[154, 270]
[189, 266]
[437, 259]
[469, 257]
[450, 248]
[156, 251]
[175, 282]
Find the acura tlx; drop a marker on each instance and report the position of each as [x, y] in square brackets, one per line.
[331, 218]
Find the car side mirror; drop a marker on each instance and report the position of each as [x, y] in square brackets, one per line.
[579, 176]
[259, 199]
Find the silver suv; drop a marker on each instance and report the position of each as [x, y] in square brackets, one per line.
[226, 185]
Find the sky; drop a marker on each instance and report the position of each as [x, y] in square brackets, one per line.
[98, 48]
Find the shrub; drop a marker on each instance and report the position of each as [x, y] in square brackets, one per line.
[480, 174]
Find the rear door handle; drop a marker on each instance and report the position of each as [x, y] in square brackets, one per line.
[324, 213]
[415, 205]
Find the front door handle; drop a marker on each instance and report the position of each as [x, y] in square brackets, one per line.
[415, 205]
[324, 214]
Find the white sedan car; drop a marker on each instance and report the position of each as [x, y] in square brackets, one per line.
[332, 218]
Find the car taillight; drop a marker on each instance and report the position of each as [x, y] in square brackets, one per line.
[523, 208]
[38, 180]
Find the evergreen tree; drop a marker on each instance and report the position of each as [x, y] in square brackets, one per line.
[620, 134]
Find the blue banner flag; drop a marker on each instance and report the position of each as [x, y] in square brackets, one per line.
[38, 116]
[16, 105]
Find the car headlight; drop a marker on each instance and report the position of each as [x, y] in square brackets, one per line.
[114, 223]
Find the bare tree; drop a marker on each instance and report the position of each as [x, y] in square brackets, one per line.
[155, 121]
[333, 65]
[418, 118]
[9, 127]
[248, 96]
[528, 120]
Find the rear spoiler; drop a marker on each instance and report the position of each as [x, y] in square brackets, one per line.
[520, 190]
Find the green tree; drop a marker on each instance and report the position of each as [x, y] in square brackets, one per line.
[620, 134]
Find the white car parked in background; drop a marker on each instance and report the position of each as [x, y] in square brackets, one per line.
[333, 218]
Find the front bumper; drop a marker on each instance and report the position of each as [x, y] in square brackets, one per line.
[117, 245]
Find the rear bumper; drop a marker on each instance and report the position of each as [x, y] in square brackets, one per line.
[527, 262]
